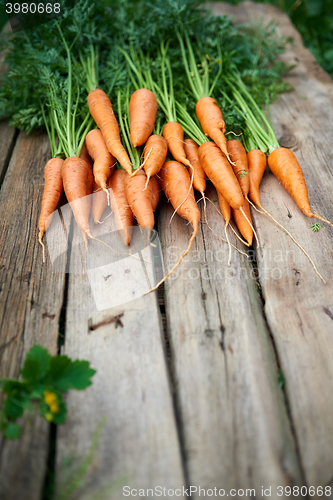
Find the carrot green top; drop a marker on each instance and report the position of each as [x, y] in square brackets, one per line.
[198, 70]
[66, 115]
[124, 124]
[259, 133]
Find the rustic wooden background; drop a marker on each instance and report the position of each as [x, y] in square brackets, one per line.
[188, 379]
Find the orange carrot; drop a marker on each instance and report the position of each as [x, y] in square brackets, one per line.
[174, 134]
[239, 164]
[284, 165]
[242, 223]
[257, 166]
[220, 172]
[84, 155]
[140, 199]
[176, 184]
[226, 212]
[199, 176]
[120, 206]
[103, 160]
[225, 207]
[211, 120]
[155, 191]
[175, 181]
[157, 149]
[53, 189]
[90, 182]
[101, 110]
[75, 178]
[142, 112]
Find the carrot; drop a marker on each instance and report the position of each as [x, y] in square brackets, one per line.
[84, 155]
[90, 180]
[99, 203]
[53, 189]
[142, 112]
[119, 205]
[220, 172]
[103, 160]
[226, 212]
[174, 134]
[244, 224]
[225, 207]
[237, 153]
[101, 110]
[211, 120]
[199, 176]
[155, 191]
[257, 166]
[284, 165]
[140, 199]
[75, 178]
[176, 183]
[155, 152]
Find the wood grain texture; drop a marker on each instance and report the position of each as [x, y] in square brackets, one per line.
[7, 134]
[297, 303]
[234, 422]
[7, 141]
[31, 298]
[139, 442]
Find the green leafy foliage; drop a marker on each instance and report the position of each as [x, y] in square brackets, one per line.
[44, 379]
[38, 65]
[40, 87]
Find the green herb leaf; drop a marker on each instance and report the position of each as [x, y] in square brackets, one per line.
[11, 430]
[36, 364]
[15, 405]
[45, 378]
[316, 227]
[66, 374]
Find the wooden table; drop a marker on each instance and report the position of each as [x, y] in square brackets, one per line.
[189, 380]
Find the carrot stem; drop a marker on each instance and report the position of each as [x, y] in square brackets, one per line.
[125, 130]
[190, 126]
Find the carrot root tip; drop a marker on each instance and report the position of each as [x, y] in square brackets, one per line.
[254, 232]
[107, 195]
[291, 237]
[40, 236]
[322, 219]
[195, 231]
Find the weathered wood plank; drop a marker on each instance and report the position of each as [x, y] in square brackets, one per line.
[297, 303]
[31, 299]
[139, 443]
[7, 134]
[233, 417]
